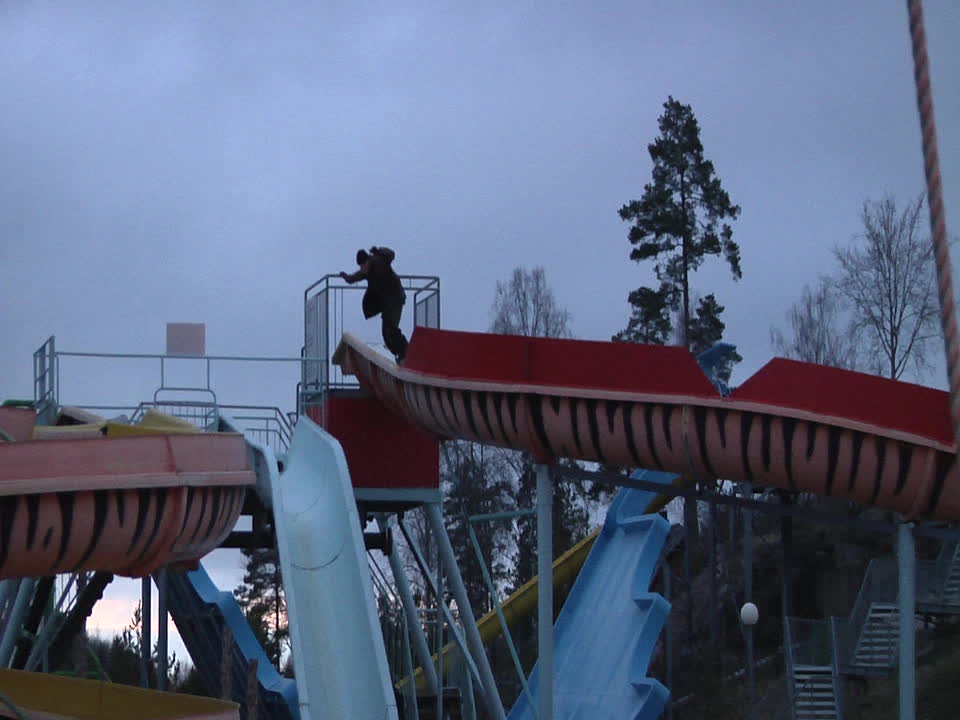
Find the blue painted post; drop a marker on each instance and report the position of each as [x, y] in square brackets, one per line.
[146, 614]
[545, 586]
[15, 622]
[8, 590]
[412, 619]
[474, 642]
[161, 579]
[907, 562]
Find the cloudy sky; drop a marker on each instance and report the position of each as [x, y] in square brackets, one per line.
[205, 162]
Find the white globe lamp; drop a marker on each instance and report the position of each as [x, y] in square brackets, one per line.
[749, 614]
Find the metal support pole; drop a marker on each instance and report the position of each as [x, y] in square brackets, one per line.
[503, 620]
[545, 590]
[786, 570]
[442, 602]
[907, 566]
[12, 630]
[474, 642]
[668, 639]
[714, 589]
[748, 591]
[436, 587]
[41, 646]
[161, 578]
[690, 532]
[8, 590]
[410, 613]
[146, 615]
[410, 695]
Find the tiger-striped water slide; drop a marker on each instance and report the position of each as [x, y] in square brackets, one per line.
[792, 425]
[124, 500]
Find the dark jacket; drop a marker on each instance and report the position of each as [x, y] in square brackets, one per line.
[384, 289]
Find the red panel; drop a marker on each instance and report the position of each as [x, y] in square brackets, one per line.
[860, 397]
[582, 364]
[467, 355]
[629, 367]
[383, 450]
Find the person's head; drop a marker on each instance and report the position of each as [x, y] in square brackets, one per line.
[362, 256]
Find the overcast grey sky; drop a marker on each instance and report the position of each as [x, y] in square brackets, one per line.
[205, 162]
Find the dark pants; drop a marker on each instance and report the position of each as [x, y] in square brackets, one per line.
[392, 335]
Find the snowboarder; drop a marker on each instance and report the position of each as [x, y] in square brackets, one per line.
[384, 295]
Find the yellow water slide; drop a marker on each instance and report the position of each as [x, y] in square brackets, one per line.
[40, 696]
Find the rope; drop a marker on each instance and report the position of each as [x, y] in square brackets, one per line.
[938, 219]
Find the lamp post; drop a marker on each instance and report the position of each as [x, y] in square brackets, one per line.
[749, 615]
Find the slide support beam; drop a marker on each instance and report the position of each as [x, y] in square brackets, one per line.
[907, 565]
[474, 642]
[545, 589]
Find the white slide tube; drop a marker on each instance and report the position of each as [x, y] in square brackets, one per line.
[338, 653]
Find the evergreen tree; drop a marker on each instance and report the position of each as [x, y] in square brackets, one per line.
[677, 223]
[570, 520]
[262, 599]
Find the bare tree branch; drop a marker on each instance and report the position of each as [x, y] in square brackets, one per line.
[887, 276]
[819, 333]
[525, 305]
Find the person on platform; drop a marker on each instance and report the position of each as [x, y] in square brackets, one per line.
[384, 295]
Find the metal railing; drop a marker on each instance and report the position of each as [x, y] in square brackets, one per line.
[327, 315]
[266, 424]
[45, 376]
[810, 642]
[199, 404]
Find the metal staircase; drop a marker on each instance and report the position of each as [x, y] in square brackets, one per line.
[815, 693]
[877, 643]
[951, 582]
[819, 653]
[814, 683]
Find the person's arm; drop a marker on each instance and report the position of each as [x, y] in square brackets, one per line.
[352, 278]
[384, 252]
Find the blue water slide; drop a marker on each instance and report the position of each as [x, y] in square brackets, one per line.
[608, 628]
[201, 612]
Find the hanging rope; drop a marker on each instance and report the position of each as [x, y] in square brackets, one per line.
[938, 218]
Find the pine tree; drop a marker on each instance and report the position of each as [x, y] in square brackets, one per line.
[677, 223]
[262, 599]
